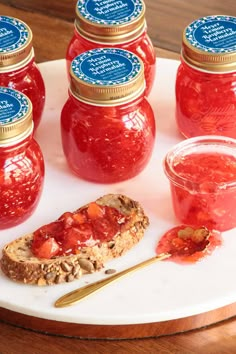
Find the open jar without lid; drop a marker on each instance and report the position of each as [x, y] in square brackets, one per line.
[107, 124]
[119, 24]
[18, 69]
[206, 78]
[21, 159]
[202, 176]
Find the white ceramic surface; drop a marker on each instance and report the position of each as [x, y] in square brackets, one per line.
[162, 291]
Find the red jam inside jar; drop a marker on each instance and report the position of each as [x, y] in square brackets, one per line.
[18, 68]
[117, 25]
[206, 78]
[86, 227]
[107, 125]
[202, 175]
[21, 160]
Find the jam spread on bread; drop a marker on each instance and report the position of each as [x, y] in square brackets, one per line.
[188, 244]
[74, 230]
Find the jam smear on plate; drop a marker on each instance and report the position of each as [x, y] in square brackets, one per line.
[188, 244]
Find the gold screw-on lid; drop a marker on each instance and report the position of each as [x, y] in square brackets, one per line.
[15, 43]
[209, 43]
[107, 76]
[15, 116]
[110, 22]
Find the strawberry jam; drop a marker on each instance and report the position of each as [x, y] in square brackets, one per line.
[206, 78]
[86, 227]
[202, 174]
[107, 123]
[18, 69]
[21, 160]
[188, 244]
[205, 103]
[113, 24]
[29, 81]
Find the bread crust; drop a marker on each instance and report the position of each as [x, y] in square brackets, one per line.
[19, 264]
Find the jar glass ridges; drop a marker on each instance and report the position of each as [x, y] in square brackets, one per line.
[206, 78]
[202, 175]
[108, 126]
[21, 159]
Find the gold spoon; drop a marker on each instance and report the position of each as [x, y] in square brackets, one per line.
[81, 293]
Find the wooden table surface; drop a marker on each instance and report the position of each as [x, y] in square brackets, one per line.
[52, 25]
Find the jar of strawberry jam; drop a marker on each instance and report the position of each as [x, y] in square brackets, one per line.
[18, 69]
[202, 175]
[107, 124]
[112, 23]
[206, 78]
[21, 160]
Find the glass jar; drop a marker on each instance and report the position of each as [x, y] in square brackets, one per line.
[21, 160]
[107, 124]
[202, 175]
[206, 78]
[18, 69]
[112, 23]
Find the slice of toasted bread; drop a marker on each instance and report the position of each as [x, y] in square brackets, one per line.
[19, 264]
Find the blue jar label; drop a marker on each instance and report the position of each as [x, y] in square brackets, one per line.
[14, 34]
[13, 105]
[110, 12]
[106, 66]
[215, 34]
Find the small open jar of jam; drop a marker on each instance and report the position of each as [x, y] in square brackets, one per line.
[112, 23]
[107, 124]
[21, 159]
[206, 78]
[202, 175]
[18, 69]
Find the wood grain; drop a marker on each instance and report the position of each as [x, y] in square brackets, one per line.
[51, 35]
[167, 19]
[52, 21]
[64, 9]
[217, 339]
[145, 330]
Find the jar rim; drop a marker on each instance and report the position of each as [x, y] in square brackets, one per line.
[189, 145]
[16, 115]
[18, 47]
[107, 76]
[110, 29]
[208, 43]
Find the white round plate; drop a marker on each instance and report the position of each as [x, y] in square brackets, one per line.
[162, 291]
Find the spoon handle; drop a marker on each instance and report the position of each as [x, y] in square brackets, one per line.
[81, 293]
